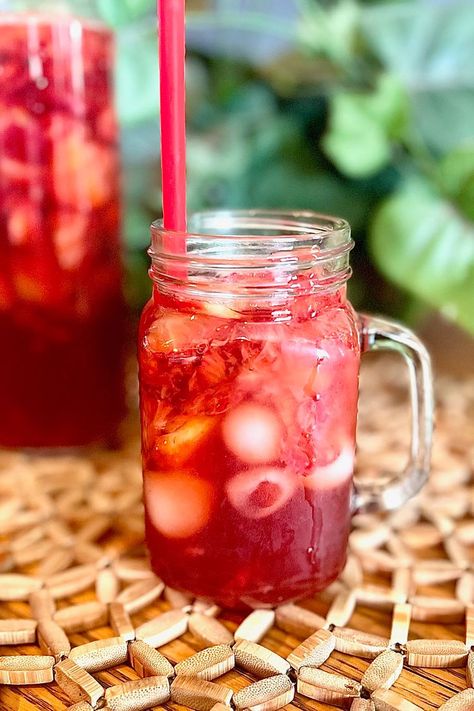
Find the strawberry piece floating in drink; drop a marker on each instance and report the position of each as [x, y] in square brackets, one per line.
[70, 239]
[175, 333]
[178, 445]
[83, 170]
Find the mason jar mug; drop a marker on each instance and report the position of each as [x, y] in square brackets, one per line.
[249, 356]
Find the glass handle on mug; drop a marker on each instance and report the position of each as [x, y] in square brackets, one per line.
[380, 334]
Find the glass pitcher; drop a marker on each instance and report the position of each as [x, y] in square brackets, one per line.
[249, 357]
[62, 312]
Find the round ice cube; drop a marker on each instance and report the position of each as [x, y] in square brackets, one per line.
[333, 474]
[262, 491]
[253, 433]
[179, 504]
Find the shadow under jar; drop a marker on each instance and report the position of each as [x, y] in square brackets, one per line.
[249, 361]
[62, 315]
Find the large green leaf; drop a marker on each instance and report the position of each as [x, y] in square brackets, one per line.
[137, 73]
[428, 43]
[362, 127]
[430, 47]
[424, 245]
[457, 178]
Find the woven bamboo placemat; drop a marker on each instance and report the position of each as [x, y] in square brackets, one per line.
[79, 605]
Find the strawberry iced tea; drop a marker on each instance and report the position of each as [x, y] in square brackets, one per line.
[248, 425]
[61, 305]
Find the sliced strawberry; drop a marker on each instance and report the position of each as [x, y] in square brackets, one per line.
[70, 239]
[334, 474]
[179, 445]
[261, 492]
[23, 221]
[253, 433]
[213, 367]
[178, 504]
[184, 332]
[101, 166]
[173, 333]
[84, 172]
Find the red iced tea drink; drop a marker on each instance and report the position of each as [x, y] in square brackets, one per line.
[248, 422]
[249, 361]
[61, 305]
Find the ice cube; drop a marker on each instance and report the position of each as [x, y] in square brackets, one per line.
[179, 504]
[333, 474]
[179, 445]
[253, 433]
[259, 492]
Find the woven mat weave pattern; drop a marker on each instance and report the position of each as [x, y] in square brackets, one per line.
[73, 570]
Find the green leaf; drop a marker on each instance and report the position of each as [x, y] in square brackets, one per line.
[424, 245]
[137, 282]
[282, 184]
[362, 127]
[430, 48]
[430, 44]
[444, 117]
[457, 178]
[330, 31]
[122, 12]
[137, 73]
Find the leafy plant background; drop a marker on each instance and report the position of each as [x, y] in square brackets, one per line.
[360, 108]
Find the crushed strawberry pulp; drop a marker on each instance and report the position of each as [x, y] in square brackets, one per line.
[61, 304]
[248, 437]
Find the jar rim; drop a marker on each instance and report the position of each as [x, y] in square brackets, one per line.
[252, 252]
[278, 229]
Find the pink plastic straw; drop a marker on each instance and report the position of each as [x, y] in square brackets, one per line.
[171, 19]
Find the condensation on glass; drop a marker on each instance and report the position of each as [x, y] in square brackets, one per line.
[249, 361]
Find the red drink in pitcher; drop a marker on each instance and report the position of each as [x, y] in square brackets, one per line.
[61, 303]
[249, 412]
